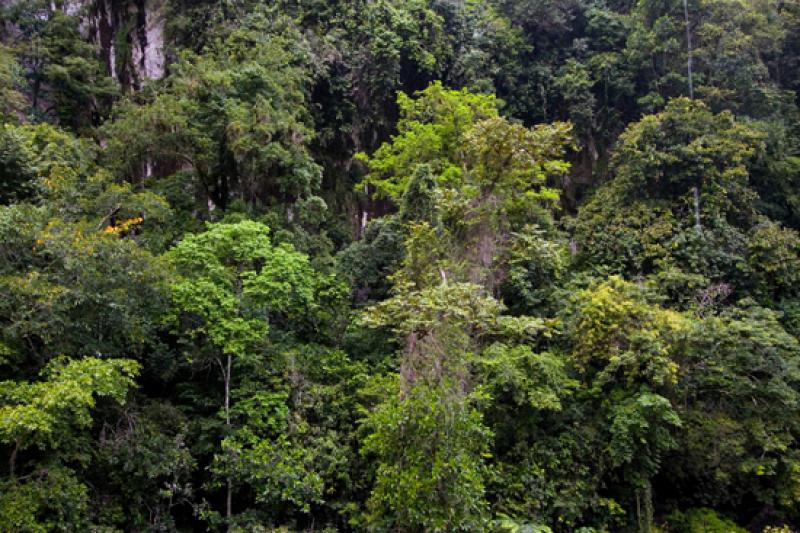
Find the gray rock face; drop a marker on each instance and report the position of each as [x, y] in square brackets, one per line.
[148, 57]
[130, 35]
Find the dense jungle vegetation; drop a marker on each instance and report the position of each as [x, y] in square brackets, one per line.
[401, 265]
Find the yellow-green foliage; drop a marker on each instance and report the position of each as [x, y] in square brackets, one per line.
[625, 337]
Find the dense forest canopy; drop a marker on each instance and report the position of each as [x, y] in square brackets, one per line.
[400, 265]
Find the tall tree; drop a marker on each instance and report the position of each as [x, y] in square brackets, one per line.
[233, 282]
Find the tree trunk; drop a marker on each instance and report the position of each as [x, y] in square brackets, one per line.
[697, 226]
[226, 376]
[644, 517]
[12, 461]
[688, 47]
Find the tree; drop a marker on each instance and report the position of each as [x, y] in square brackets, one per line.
[53, 415]
[10, 84]
[731, 43]
[70, 283]
[16, 166]
[430, 130]
[41, 413]
[626, 349]
[681, 197]
[233, 282]
[427, 435]
[143, 468]
[488, 175]
[737, 393]
[67, 83]
[430, 471]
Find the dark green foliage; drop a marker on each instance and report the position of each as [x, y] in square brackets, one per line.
[16, 168]
[681, 198]
[430, 473]
[66, 80]
[700, 519]
[71, 281]
[400, 265]
[13, 104]
[234, 116]
[367, 263]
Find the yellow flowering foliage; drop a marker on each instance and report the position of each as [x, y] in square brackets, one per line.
[123, 225]
[620, 334]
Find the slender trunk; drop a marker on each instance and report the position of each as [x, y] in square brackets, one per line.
[639, 511]
[229, 495]
[227, 379]
[648, 507]
[644, 517]
[12, 461]
[35, 95]
[228, 503]
[688, 47]
[697, 226]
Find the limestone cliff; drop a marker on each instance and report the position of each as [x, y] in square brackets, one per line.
[130, 36]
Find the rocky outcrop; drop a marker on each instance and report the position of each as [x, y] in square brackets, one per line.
[130, 35]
